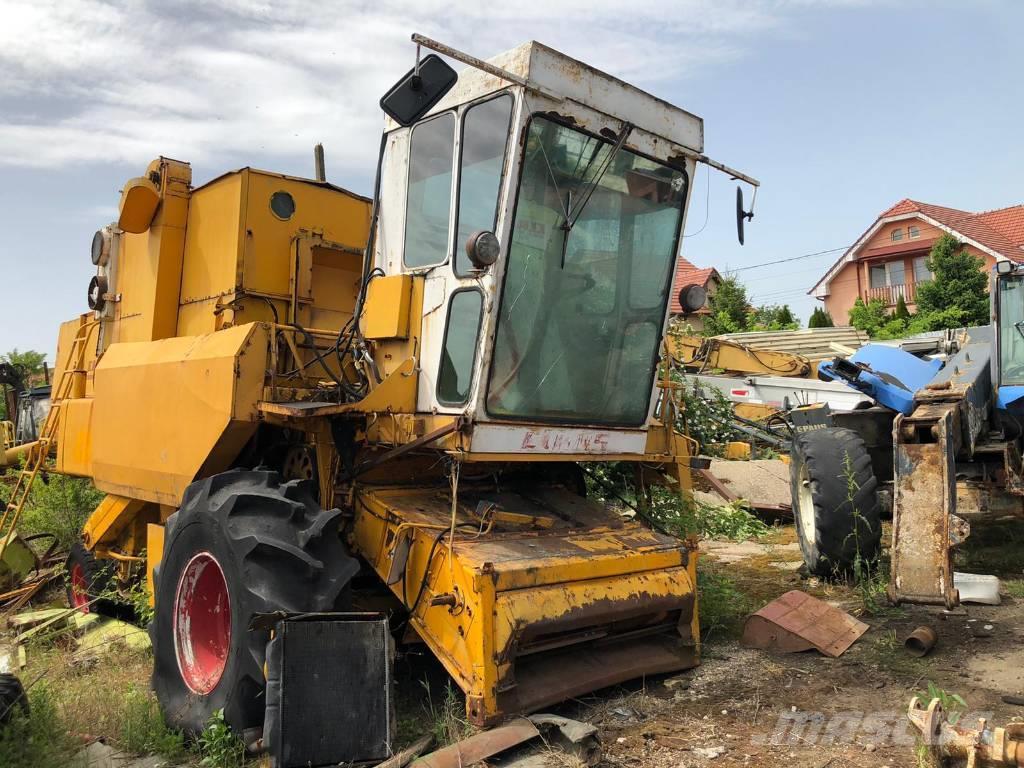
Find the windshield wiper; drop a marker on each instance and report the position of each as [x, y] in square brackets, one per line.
[573, 215]
[1018, 325]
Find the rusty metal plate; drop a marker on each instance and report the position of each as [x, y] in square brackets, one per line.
[924, 502]
[480, 746]
[798, 622]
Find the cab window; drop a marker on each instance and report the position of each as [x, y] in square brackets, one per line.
[458, 355]
[481, 166]
[429, 197]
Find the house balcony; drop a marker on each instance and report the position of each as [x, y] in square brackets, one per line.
[890, 294]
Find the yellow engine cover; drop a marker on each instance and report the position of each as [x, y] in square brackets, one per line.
[164, 409]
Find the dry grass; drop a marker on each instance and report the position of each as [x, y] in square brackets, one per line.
[91, 697]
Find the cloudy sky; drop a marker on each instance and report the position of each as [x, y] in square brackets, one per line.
[840, 107]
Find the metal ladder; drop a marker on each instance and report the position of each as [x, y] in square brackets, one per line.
[38, 451]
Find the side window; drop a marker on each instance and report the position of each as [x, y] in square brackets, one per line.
[459, 351]
[429, 199]
[484, 137]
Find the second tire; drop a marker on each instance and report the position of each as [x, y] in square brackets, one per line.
[835, 501]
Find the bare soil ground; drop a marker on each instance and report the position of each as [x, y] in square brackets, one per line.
[747, 707]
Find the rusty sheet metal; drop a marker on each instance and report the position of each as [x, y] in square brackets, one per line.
[924, 500]
[480, 746]
[798, 622]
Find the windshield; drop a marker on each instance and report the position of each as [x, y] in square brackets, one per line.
[582, 308]
[1011, 330]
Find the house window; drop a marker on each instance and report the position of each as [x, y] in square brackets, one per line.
[913, 232]
[890, 273]
[897, 234]
[429, 199]
[921, 272]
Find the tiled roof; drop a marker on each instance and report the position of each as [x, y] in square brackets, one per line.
[1001, 231]
[688, 274]
[1008, 221]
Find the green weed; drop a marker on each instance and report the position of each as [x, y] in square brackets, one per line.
[448, 718]
[723, 607]
[868, 579]
[219, 746]
[952, 703]
[665, 510]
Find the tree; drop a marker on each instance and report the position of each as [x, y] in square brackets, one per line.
[901, 313]
[28, 364]
[868, 317]
[729, 308]
[29, 361]
[958, 295]
[772, 317]
[820, 318]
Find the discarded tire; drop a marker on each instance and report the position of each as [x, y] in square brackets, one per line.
[835, 501]
[87, 578]
[12, 698]
[242, 543]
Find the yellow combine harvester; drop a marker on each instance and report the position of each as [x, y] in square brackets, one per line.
[295, 397]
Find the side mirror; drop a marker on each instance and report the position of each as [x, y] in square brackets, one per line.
[692, 298]
[741, 214]
[421, 88]
[482, 248]
[1004, 267]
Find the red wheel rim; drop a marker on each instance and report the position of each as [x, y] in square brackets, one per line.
[79, 588]
[202, 623]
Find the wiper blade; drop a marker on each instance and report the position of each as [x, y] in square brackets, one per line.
[573, 214]
[1018, 325]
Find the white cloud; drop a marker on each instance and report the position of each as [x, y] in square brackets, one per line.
[219, 81]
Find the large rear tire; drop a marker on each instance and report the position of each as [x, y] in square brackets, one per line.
[835, 501]
[241, 544]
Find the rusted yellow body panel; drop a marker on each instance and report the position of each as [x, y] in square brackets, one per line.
[164, 409]
[387, 307]
[600, 596]
[244, 262]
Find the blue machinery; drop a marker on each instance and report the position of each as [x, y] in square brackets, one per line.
[956, 438]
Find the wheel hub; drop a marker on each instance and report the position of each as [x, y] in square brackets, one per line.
[805, 506]
[79, 588]
[202, 623]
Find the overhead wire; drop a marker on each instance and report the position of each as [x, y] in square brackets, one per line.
[707, 208]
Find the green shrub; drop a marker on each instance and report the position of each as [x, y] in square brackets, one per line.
[59, 505]
[722, 606]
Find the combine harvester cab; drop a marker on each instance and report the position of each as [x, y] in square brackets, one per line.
[282, 384]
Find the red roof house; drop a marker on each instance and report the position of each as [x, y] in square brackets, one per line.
[889, 259]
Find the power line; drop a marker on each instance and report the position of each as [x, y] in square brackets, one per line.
[792, 258]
